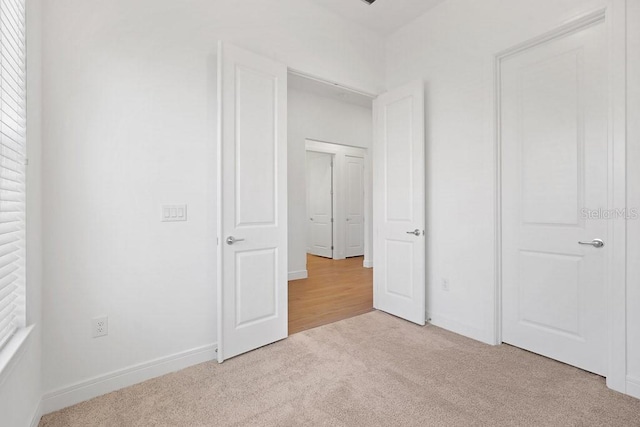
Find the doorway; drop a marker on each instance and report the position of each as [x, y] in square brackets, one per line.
[330, 278]
[323, 176]
[336, 200]
[262, 125]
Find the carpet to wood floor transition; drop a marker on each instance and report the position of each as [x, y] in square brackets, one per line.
[370, 370]
[335, 290]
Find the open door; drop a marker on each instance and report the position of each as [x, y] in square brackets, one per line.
[320, 204]
[399, 203]
[252, 208]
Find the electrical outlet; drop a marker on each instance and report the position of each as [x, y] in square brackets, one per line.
[445, 285]
[100, 326]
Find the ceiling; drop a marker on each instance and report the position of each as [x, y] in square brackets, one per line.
[384, 16]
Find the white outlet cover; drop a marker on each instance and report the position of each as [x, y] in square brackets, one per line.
[100, 326]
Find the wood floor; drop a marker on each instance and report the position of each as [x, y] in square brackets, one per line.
[335, 290]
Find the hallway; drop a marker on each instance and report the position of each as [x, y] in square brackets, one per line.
[335, 290]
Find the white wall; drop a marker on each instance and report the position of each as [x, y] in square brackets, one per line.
[452, 48]
[320, 118]
[128, 119]
[20, 390]
[129, 125]
[633, 182]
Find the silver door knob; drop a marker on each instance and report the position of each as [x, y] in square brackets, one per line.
[596, 243]
[415, 232]
[231, 240]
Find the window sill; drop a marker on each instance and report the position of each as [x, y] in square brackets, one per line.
[13, 351]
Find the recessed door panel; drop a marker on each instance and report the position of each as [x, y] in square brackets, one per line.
[256, 147]
[550, 134]
[398, 177]
[549, 292]
[256, 286]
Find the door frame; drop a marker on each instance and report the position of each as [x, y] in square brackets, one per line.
[337, 150]
[613, 15]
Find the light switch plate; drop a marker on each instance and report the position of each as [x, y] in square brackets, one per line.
[174, 213]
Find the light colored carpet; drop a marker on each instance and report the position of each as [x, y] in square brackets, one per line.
[370, 370]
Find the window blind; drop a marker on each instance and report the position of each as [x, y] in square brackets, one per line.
[12, 167]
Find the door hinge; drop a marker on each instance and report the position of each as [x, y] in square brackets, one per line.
[331, 219]
[331, 247]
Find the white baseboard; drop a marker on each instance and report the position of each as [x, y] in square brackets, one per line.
[633, 387]
[103, 384]
[367, 263]
[37, 414]
[460, 328]
[297, 275]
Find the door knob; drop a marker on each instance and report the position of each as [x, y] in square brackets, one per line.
[231, 240]
[415, 232]
[596, 243]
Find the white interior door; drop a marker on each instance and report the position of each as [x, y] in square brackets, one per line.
[320, 204]
[252, 288]
[354, 175]
[399, 203]
[554, 139]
